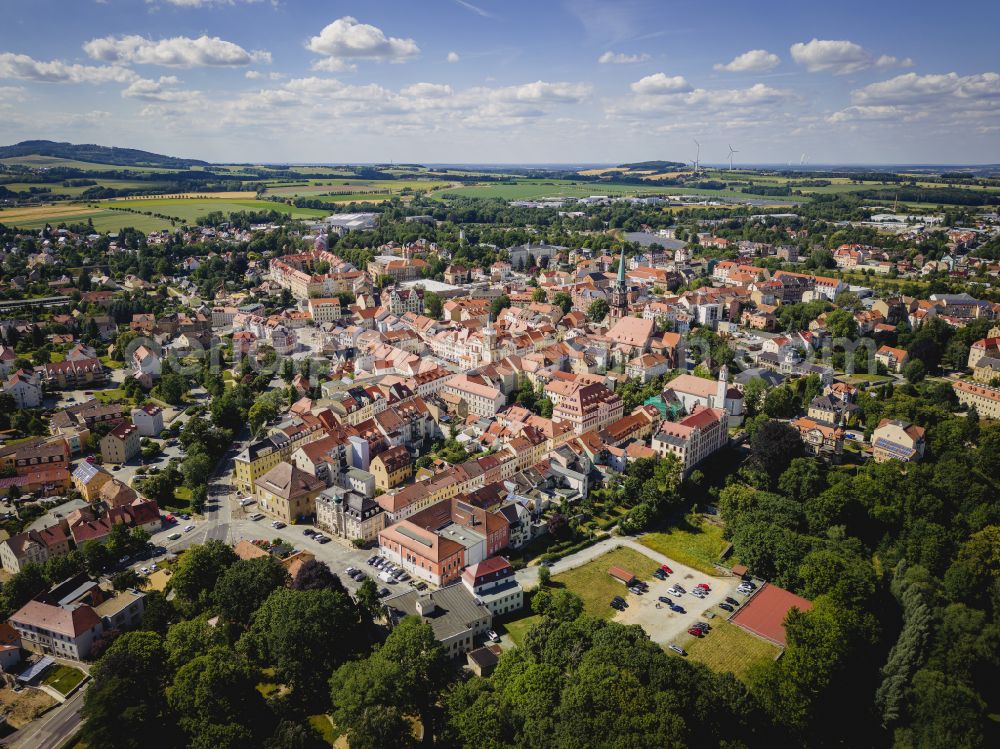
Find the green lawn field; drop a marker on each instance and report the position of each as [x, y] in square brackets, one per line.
[596, 587]
[727, 648]
[697, 546]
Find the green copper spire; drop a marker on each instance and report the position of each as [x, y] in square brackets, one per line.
[621, 269]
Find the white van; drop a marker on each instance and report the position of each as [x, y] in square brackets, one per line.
[257, 516]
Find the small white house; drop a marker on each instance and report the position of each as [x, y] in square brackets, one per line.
[24, 388]
[149, 419]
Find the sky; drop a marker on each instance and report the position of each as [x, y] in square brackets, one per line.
[508, 81]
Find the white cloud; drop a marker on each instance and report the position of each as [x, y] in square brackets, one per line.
[660, 83]
[12, 93]
[345, 39]
[253, 75]
[754, 61]
[202, 3]
[655, 104]
[431, 90]
[840, 57]
[911, 88]
[453, 57]
[177, 52]
[333, 65]
[27, 68]
[942, 99]
[620, 58]
[146, 89]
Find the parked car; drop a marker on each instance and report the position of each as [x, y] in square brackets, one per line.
[664, 599]
[635, 589]
[703, 586]
[698, 593]
[383, 592]
[257, 516]
[188, 528]
[675, 592]
[695, 632]
[493, 635]
[732, 601]
[666, 569]
[144, 570]
[185, 516]
[247, 501]
[421, 585]
[703, 626]
[278, 524]
[322, 539]
[308, 532]
[678, 609]
[618, 606]
[660, 575]
[173, 536]
[677, 649]
[726, 607]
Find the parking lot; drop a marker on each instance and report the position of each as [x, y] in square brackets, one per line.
[663, 624]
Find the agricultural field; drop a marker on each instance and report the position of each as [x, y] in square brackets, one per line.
[536, 189]
[112, 215]
[343, 189]
[37, 161]
[728, 648]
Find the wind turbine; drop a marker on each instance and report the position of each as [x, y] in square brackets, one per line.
[731, 152]
[802, 160]
[697, 158]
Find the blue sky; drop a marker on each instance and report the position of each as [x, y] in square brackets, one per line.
[491, 81]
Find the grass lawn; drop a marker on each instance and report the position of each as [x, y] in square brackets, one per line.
[107, 396]
[697, 546]
[63, 678]
[727, 648]
[596, 587]
[518, 628]
[183, 495]
[324, 726]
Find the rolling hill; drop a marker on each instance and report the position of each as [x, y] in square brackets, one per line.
[96, 154]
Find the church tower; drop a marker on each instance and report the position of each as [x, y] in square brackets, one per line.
[722, 388]
[489, 337]
[619, 292]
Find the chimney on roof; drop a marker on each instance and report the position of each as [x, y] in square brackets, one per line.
[425, 605]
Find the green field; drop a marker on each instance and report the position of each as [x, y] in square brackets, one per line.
[518, 628]
[111, 215]
[334, 187]
[697, 546]
[63, 678]
[727, 648]
[596, 587]
[54, 161]
[535, 189]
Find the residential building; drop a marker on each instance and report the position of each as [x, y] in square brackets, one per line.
[121, 444]
[25, 388]
[589, 407]
[348, 515]
[985, 399]
[287, 493]
[35, 546]
[148, 419]
[146, 362]
[820, 438]
[493, 583]
[391, 467]
[88, 480]
[453, 613]
[481, 399]
[73, 375]
[422, 553]
[693, 438]
[897, 440]
[893, 359]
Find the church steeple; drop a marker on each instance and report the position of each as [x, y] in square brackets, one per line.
[619, 292]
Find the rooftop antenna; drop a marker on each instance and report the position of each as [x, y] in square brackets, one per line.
[731, 152]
